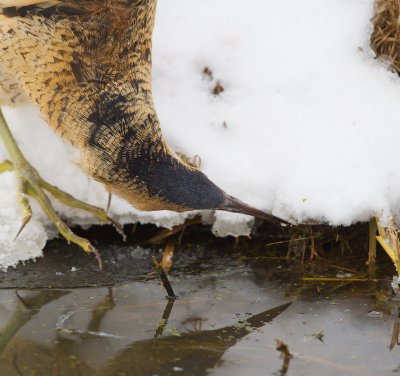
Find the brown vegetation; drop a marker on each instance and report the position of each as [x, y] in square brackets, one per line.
[385, 38]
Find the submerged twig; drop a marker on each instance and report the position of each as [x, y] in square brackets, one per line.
[283, 348]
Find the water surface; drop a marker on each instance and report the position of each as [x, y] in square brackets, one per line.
[229, 315]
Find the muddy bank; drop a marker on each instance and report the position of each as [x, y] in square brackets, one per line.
[195, 250]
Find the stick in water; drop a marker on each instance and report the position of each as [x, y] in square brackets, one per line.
[164, 279]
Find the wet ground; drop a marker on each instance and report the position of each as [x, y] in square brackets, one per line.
[235, 310]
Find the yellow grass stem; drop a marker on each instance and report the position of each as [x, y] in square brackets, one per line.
[335, 279]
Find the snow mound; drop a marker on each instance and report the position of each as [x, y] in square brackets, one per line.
[29, 243]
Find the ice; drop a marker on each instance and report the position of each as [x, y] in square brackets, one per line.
[307, 126]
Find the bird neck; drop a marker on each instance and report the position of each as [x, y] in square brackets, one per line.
[125, 151]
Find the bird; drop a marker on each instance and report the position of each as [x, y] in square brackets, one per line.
[87, 65]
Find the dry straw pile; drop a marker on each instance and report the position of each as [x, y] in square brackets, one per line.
[385, 38]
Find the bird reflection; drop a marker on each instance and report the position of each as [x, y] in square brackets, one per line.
[196, 351]
[25, 310]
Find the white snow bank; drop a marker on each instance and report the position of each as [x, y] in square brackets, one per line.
[307, 126]
[312, 119]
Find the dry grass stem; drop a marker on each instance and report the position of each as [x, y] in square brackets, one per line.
[388, 238]
[165, 234]
[385, 38]
[335, 279]
[372, 243]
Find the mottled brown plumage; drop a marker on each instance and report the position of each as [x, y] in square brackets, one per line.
[87, 65]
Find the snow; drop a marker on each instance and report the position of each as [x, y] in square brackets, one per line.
[307, 126]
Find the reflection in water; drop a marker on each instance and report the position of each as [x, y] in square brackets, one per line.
[164, 320]
[147, 357]
[37, 358]
[24, 311]
[286, 356]
[93, 329]
[396, 326]
[215, 327]
[193, 352]
[100, 310]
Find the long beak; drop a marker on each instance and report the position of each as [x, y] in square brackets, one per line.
[234, 205]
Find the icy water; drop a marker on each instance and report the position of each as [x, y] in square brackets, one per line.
[230, 313]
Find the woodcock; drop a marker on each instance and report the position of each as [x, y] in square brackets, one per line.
[87, 65]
